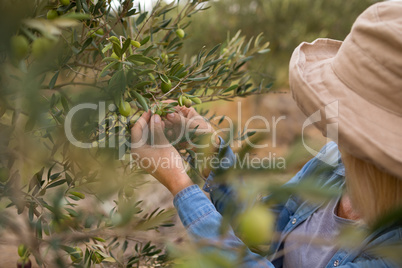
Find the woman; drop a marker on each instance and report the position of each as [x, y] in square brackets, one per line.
[363, 76]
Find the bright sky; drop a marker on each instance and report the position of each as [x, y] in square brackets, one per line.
[148, 3]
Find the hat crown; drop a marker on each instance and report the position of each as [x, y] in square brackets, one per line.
[370, 59]
[363, 76]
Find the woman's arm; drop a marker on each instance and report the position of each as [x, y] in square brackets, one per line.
[196, 212]
[153, 152]
[186, 120]
[203, 223]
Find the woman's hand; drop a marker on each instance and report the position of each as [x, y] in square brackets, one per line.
[186, 120]
[152, 152]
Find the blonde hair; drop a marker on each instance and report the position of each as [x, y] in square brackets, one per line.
[372, 191]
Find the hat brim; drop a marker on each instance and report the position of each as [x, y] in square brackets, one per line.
[365, 130]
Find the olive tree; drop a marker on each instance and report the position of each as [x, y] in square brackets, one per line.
[75, 75]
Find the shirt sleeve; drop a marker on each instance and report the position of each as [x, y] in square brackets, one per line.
[202, 221]
[377, 263]
[222, 195]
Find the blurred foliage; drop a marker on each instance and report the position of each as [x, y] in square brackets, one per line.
[285, 24]
[75, 75]
[77, 205]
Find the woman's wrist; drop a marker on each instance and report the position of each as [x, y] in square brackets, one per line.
[178, 183]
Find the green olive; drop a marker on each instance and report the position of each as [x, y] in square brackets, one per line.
[100, 31]
[166, 87]
[4, 174]
[125, 108]
[19, 46]
[92, 33]
[128, 191]
[22, 249]
[135, 43]
[180, 33]
[52, 14]
[182, 99]
[187, 103]
[164, 58]
[41, 46]
[65, 2]
[113, 38]
[114, 55]
[97, 258]
[77, 255]
[78, 194]
[256, 225]
[196, 100]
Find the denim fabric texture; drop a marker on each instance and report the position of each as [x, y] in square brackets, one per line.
[202, 217]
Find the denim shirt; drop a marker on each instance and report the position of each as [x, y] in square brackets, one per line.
[202, 217]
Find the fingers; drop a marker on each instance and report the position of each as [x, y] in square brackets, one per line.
[177, 107]
[168, 101]
[157, 131]
[169, 133]
[176, 119]
[139, 132]
[178, 123]
[181, 109]
[168, 124]
[185, 111]
[145, 125]
[196, 120]
[191, 112]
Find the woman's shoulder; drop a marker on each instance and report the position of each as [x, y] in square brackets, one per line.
[326, 167]
[329, 155]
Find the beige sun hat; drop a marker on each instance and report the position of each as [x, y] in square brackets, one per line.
[363, 76]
